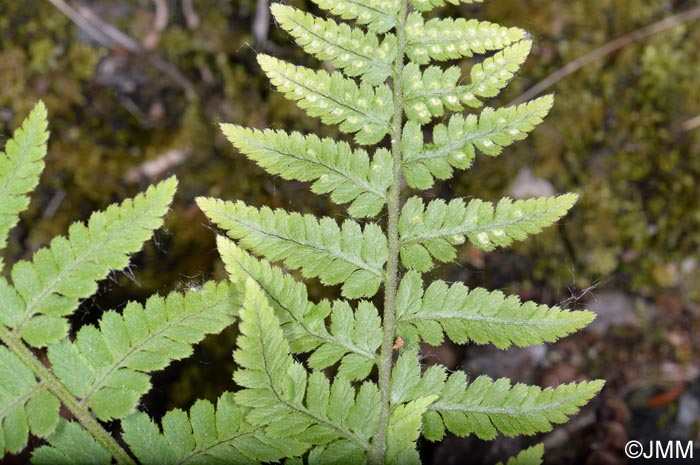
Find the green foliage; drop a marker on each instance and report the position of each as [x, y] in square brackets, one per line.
[381, 86]
[530, 456]
[349, 176]
[102, 371]
[320, 248]
[478, 315]
[435, 230]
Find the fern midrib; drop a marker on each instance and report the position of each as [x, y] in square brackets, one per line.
[453, 40]
[391, 280]
[447, 149]
[443, 233]
[121, 363]
[20, 400]
[368, 116]
[380, 64]
[367, 187]
[457, 315]
[339, 255]
[320, 420]
[219, 443]
[311, 332]
[567, 401]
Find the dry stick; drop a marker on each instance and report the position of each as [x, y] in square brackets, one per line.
[616, 44]
[691, 124]
[109, 36]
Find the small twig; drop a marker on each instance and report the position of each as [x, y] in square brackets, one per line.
[111, 37]
[191, 16]
[608, 48]
[691, 124]
[261, 22]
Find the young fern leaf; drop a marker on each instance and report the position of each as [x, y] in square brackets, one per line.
[478, 315]
[51, 286]
[357, 53]
[349, 176]
[378, 15]
[450, 39]
[70, 444]
[25, 405]
[454, 144]
[107, 368]
[353, 338]
[206, 435]
[320, 248]
[435, 231]
[20, 168]
[362, 110]
[428, 92]
[530, 456]
[288, 402]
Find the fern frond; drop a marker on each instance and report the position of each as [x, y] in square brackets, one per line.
[530, 456]
[379, 16]
[427, 5]
[71, 444]
[288, 402]
[206, 435]
[353, 338]
[450, 39]
[25, 405]
[52, 284]
[436, 230]
[486, 407]
[362, 110]
[478, 315]
[357, 53]
[454, 144]
[428, 93]
[107, 367]
[347, 175]
[20, 168]
[319, 248]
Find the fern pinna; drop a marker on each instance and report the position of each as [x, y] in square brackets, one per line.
[387, 93]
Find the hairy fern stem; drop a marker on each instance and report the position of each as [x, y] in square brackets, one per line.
[392, 268]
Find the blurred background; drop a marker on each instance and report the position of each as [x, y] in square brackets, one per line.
[136, 89]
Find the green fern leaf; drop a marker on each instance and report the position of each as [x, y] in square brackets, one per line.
[530, 456]
[20, 169]
[287, 401]
[427, 5]
[427, 93]
[25, 406]
[478, 315]
[71, 444]
[454, 144]
[354, 338]
[435, 230]
[450, 39]
[362, 110]
[206, 435]
[114, 360]
[404, 430]
[348, 175]
[321, 249]
[357, 53]
[486, 407]
[379, 16]
[52, 285]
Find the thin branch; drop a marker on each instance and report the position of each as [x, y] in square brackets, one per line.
[610, 47]
[691, 124]
[111, 37]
